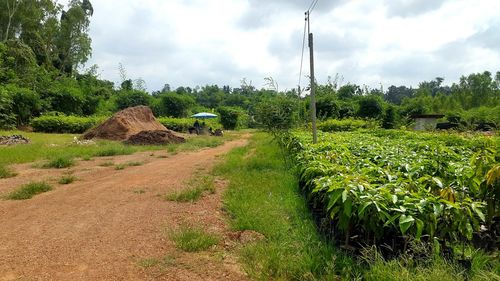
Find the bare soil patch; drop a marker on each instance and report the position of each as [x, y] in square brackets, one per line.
[108, 222]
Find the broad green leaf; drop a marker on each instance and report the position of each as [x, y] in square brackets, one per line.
[394, 199]
[478, 212]
[405, 222]
[348, 208]
[344, 195]
[420, 227]
[438, 182]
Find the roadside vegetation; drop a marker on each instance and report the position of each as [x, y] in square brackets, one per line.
[6, 172]
[29, 190]
[195, 190]
[297, 247]
[67, 179]
[193, 239]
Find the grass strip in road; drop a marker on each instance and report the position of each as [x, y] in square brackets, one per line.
[195, 192]
[6, 172]
[192, 239]
[29, 190]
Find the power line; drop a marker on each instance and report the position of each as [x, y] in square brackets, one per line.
[302, 56]
[311, 7]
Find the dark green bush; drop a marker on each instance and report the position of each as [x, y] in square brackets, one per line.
[334, 125]
[183, 124]
[64, 124]
[229, 117]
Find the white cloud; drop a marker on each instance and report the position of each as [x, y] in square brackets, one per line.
[195, 42]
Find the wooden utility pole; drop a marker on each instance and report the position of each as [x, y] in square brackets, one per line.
[313, 84]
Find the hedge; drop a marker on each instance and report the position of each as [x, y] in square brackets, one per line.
[183, 124]
[334, 125]
[64, 124]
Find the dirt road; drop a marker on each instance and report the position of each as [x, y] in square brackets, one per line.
[109, 222]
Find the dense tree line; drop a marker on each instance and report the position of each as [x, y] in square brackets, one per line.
[43, 46]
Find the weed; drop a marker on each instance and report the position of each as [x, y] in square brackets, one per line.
[112, 151]
[194, 193]
[6, 172]
[192, 239]
[29, 190]
[86, 158]
[107, 164]
[67, 179]
[120, 166]
[162, 263]
[139, 191]
[59, 163]
[134, 163]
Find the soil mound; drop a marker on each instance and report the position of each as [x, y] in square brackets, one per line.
[154, 137]
[136, 121]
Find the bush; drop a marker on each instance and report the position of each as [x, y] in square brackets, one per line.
[183, 124]
[64, 124]
[229, 117]
[277, 114]
[7, 118]
[334, 125]
[132, 98]
[370, 107]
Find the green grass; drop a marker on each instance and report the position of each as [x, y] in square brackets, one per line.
[263, 196]
[67, 179]
[192, 239]
[107, 164]
[29, 190]
[59, 163]
[194, 193]
[45, 146]
[6, 172]
[120, 166]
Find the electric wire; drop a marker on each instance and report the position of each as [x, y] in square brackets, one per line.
[312, 6]
[302, 55]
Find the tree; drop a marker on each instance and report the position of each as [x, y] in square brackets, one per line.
[397, 94]
[176, 105]
[73, 42]
[277, 114]
[348, 91]
[132, 98]
[370, 107]
[229, 117]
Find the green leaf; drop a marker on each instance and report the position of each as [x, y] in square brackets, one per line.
[333, 199]
[394, 199]
[405, 222]
[438, 182]
[344, 195]
[363, 207]
[420, 227]
[478, 212]
[348, 208]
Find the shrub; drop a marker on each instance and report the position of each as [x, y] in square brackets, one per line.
[132, 98]
[277, 114]
[29, 190]
[64, 124]
[183, 124]
[334, 125]
[370, 107]
[229, 117]
[67, 179]
[7, 118]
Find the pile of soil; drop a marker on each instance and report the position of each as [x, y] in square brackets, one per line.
[136, 121]
[154, 137]
[13, 140]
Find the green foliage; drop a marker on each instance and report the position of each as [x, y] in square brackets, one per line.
[391, 183]
[64, 124]
[175, 105]
[6, 172]
[334, 125]
[390, 117]
[59, 162]
[183, 124]
[29, 190]
[191, 239]
[277, 114]
[229, 117]
[7, 116]
[292, 248]
[195, 192]
[370, 107]
[67, 179]
[26, 103]
[132, 98]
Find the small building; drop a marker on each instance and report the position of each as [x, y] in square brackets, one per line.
[424, 122]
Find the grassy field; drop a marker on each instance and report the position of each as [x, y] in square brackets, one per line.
[264, 196]
[62, 146]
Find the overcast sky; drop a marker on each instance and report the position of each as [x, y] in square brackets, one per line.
[385, 42]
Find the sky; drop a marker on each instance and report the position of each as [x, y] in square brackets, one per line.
[374, 43]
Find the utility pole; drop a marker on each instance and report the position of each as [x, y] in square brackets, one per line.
[313, 84]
